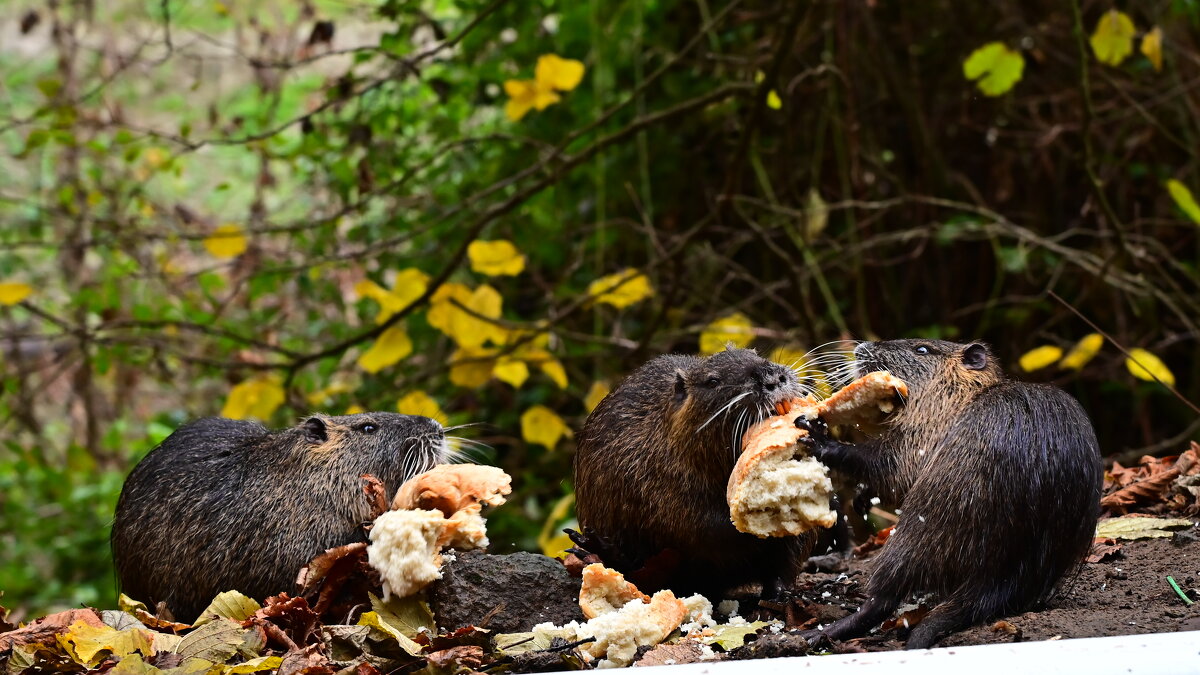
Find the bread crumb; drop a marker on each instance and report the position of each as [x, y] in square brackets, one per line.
[404, 549]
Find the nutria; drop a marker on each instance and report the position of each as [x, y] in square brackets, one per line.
[998, 484]
[652, 465]
[226, 504]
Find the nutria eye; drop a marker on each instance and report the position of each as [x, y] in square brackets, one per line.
[713, 381]
[921, 349]
[368, 428]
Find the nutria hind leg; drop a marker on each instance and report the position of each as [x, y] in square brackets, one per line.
[871, 614]
[965, 607]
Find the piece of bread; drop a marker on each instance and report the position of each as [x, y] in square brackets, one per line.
[451, 487]
[605, 590]
[776, 489]
[619, 634]
[404, 549]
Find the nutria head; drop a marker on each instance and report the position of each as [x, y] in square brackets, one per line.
[949, 366]
[390, 446]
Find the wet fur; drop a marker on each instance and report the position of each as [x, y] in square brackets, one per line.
[998, 481]
[227, 504]
[650, 474]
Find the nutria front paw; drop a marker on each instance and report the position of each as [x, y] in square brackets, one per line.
[818, 442]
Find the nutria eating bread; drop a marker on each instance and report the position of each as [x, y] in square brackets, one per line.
[652, 465]
[998, 483]
[227, 504]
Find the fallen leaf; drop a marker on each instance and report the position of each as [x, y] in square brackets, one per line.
[470, 657]
[216, 641]
[496, 258]
[47, 627]
[255, 665]
[732, 636]
[1146, 366]
[229, 605]
[1103, 549]
[1112, 40]
[1129, 528]
[512, 644]
[406, 643]
[1150, 489]
[87, 644]
[305, 661]
[732, 329]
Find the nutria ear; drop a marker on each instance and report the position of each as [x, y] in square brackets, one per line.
[314, 430]
[975, 357]
[680, 387]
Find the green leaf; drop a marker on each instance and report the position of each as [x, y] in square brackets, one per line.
[995, 67]
[1138, 527]
[1184, 199]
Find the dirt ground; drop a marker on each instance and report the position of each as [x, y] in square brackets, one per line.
[1125, 594]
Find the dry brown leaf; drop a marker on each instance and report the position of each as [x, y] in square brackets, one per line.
[685, 651]
[306, 661]
[45, 628]
[908, 620]
[465, 656]
[1103, 548]
[1150, 489]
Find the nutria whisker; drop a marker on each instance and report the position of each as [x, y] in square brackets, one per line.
[724, 409]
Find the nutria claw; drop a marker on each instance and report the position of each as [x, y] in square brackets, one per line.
[818, 430]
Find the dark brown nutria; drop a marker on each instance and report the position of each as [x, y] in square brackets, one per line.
[998, 484]
[652, 465]
[226, 504]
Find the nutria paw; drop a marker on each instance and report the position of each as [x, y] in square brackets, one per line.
[816, 639]
[818, 442]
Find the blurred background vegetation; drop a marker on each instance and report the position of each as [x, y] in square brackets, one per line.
[267, 208]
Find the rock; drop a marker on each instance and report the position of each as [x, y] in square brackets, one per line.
[504, 593]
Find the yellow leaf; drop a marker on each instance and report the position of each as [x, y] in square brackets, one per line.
[511, 370]
[471, 368]
[551, 539]
[257, 397]
[733, 328]
[1082, 352]
[1152, 47]
[1112, 40]
[85, 642]
[595, 394]
[410, 284]
[227, 241]
[495, 258]
[553, 368]
[321, 397]
[12, 292]
[133, 664]
[554, 72]
[621, 289]
[388, 349]
[816, 215]
[355, 409]
[1146, 366]
[229, 605]
[465, 329]
[1040, 357]
[420, 403]
[1184, 199]
[256, 665]
[773, 100]
[541, 425]
[995, 68]
[526, 94]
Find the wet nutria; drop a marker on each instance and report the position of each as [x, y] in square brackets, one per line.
[998, 483]
[226, 504]
[652, 465]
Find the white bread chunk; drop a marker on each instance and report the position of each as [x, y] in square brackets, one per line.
[404, 549]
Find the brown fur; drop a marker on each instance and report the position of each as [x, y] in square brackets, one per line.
[650, 477]
[998, 483]
[226, 504]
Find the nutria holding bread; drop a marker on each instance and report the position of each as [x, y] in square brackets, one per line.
[227, 504]
[651, 470]
[998, 484]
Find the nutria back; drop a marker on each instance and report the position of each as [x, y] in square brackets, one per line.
[998, 484]
[226, 504]
[653, 461]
